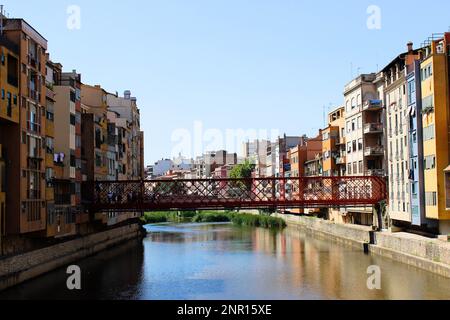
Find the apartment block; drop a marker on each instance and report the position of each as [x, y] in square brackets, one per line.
[333, 146]
[94, 128]
[434, 74]
[364, 134]
[398, 143]
[9, 123]
[126, 108]
[23, 143]
[2, 199]
[277, 154]
[67, 215]
[256, 153]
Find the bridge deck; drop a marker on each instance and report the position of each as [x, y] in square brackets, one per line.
[304, 192]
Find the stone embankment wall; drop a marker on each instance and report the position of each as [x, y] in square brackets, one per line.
[428, 254]
[17, 269]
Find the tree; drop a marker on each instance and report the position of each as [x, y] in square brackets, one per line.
[242, 171]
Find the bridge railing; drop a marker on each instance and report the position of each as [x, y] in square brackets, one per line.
[303, 192]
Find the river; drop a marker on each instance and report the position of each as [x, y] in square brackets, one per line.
[222, 261]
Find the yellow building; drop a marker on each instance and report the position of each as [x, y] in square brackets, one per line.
[333, 145]
[435, 112]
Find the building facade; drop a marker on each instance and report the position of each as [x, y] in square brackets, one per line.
[434, 71]
[364, 135]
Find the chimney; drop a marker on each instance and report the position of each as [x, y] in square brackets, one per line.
[410, 46]
[127, 94]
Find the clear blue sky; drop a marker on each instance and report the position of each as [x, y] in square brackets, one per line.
[232, 64]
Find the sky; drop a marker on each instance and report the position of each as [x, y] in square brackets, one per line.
[209, 73]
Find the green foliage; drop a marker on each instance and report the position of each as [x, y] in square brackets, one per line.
[259, 221]
[240, 219]
[242, 171]
[205, 217]
[155, 217]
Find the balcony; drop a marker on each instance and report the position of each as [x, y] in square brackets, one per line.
[373, 128]
[34, 127]
[374, 151]
[341, 160]
[373, 105]
[376, 172]
[341, 141]
[63, 199]
[34, 95]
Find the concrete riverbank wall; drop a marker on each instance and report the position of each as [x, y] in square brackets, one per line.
[431, 255]
[17, 269]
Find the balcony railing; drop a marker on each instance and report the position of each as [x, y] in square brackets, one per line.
[341, 141]
[63, 199]
[34, 194]
[374, 151]
[34, 127]
[373, 128]
[376, 172]
[374, 105]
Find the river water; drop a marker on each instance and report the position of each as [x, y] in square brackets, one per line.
[221, 261]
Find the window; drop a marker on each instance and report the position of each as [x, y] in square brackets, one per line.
[72, 96]
[426, 72]
[428, 133]
[354, 146]
[411, 91]
[430, 162]
[355, 167]
[361, 167]
[447, 189]
[72, 119]
[49, 145]
[348, 127]
[353, 103]
[349, 147]
[349, 169]
[431, 199]
[360, 144]
[359, 122]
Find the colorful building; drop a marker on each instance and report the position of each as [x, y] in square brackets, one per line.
[434, 73]
[364, 135]
[24, 146]
[334, 143]
[398, 142]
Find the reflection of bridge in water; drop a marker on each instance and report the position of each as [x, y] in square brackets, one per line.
[259, 193]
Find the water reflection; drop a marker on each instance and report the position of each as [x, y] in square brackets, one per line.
[220, 261]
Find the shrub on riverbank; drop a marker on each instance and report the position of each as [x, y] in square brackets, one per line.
[155, 217]
[250, 220]
[205, 217]
[259, 221]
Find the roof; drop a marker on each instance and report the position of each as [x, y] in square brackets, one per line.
[400, 57]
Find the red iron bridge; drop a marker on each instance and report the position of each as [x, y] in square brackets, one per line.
[255, 193]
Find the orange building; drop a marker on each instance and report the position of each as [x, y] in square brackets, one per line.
[23, 143]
